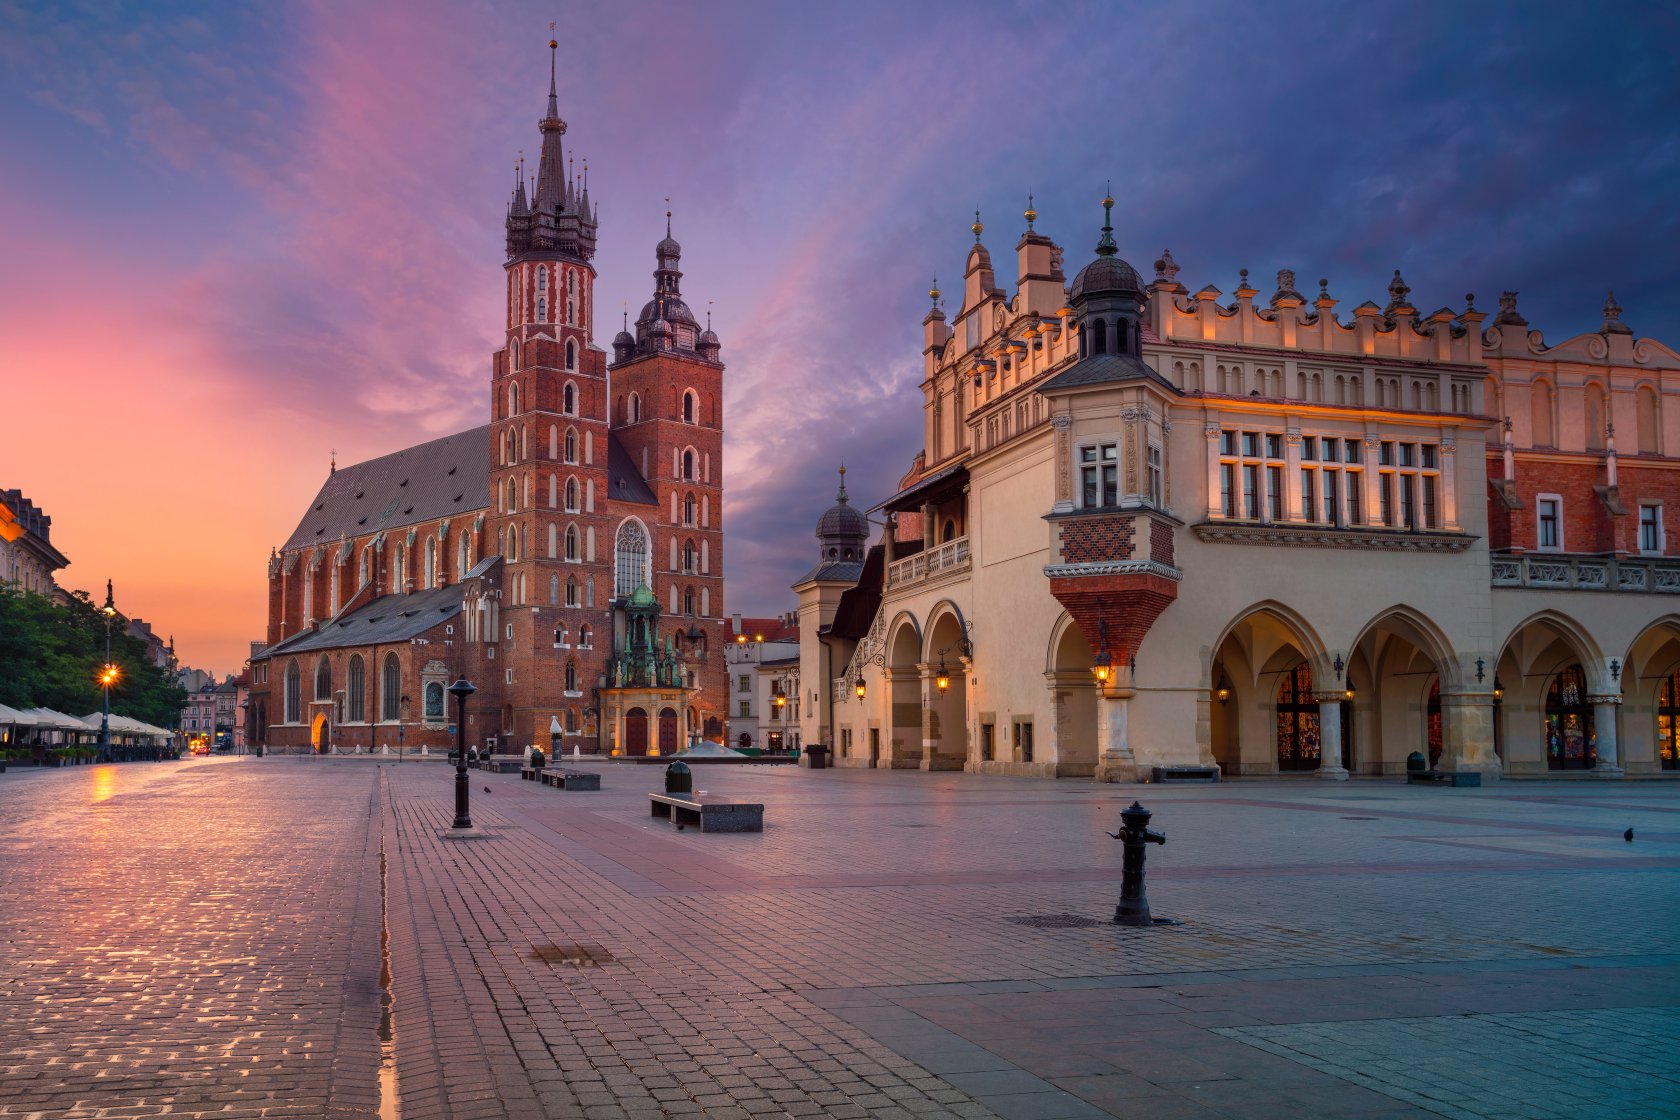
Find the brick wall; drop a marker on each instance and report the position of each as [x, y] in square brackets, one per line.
[1588, 526]
[1161, 542]
[1088, 540]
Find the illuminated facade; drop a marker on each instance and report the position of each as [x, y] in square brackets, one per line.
[1155, 527]
[567, 557]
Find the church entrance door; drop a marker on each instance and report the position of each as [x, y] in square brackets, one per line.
[668, 743]
[318, 733]
[635, 732]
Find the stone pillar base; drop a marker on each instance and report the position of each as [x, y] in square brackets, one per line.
[1332, 773]
[1609, 772]
[1117, 768]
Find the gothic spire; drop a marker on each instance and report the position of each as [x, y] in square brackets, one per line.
[551, 168]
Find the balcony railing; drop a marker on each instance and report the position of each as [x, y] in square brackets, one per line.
[948, 557]
[1587, 573]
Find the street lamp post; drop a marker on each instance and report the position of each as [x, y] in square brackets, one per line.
[107, 673]
[461, 689]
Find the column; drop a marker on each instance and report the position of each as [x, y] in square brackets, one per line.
[1604, 729]
[926, 673]
[1449, 485]
[1115, 761]
[1330, 765]
[1292, 510]
[1210, 433]
[1467, 733]
[1372, 498]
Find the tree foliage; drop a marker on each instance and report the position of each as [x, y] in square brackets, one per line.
[51, 653]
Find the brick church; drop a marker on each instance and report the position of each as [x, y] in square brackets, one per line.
[566, 557]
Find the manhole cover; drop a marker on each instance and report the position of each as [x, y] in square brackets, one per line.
[580, 956]
[1056, 921]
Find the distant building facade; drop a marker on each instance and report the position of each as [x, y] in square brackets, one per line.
[566, 557]
[27, 556]
[755, 644]
[1153, 527]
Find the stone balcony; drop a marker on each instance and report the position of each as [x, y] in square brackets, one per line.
[1587, 573]
[951, 556]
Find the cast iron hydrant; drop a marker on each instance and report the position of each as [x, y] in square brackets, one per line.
[1135, 834]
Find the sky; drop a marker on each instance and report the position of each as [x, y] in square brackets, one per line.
[236, 238]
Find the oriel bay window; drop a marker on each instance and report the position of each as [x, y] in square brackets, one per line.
[1099, 475]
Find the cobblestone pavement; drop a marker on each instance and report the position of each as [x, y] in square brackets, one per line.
[895, 944]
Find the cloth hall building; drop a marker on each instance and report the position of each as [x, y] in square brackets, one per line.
[1149, 526]
[566, 556]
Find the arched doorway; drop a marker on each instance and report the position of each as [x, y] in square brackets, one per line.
[904, 651]
[635, 732]
[1074, 691]
[945, 733]
[1571, 743]
[1253, 664]
[318, 737]
[1395, 672]
[669, 743]
[1668, 722]
[1530, 669]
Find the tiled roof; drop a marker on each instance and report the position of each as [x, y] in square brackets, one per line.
[1104, 369]
[624, 480]
[420, 483]
[389, 618]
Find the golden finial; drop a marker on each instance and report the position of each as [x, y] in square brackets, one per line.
[1031, 214]
[977, 227]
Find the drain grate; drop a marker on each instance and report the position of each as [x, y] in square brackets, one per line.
[579, 956]
[1056, 921]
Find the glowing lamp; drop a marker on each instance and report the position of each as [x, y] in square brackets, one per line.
[1498, 690]
[859, 687]
[1101, 666]
[943, 680]
[1349, 694]
[1222, 693]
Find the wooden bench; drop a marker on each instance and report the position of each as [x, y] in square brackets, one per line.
[710, 814]
[1444, 778]
[571, 779]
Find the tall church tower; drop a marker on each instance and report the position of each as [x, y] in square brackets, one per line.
[667, 414]
[548, 447]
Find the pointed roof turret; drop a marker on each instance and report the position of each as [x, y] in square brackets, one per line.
[551, 167]
[1108, 273]
[557, 219]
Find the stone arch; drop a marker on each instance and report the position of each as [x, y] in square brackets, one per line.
[1392, 669]
[1074, 698]
[1245, 667]
[942, 610]
[1650, 714]
[901, 657]
[945, 714]
[1537, 652]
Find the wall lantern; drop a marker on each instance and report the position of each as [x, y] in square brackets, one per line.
[859, 687]
[1350, 693]
[1100, 666]
[778, 697]
[741, 639]
[1222, 690]
[1498, 690]
[943, 680]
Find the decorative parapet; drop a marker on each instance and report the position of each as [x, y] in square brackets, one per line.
[949, 557]
[1306, 536]
[1113, 568]
[1586, 573]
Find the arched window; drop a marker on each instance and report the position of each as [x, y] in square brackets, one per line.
[511, 549]
[542, 309]
[542, 279]
[690, 557]
[571, 676]
[1099, 337]
[461, 560]
[1571, 740]
[571, 591]
[569, 402]
[293, 692]
[1646, 410]
[688, 600]
[688, 465]
[367, 557]
[631, 553]
[571, 445]
[688, 407]
[571, 542]
[553, 590]
[1297, 721]
[397, 569]
[1120, 338]
[323, 679]
[572, 495]
[688, 509]
[1594, 410]
[513, 398]
[390, 689]
[1540, 403]
[513, 355]
[571, 349]
[583, 636]
[635, 408]
[553, 538]
[434, 701]
[356, 689]
[589, 591]
[511, 504]
[950, 533]
[431, 562]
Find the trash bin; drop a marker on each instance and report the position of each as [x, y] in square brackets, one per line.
[818, 755]
[679, 778]
[1416, 763]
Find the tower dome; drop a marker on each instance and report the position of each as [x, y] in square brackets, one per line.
[1108, 274]
[842, 530]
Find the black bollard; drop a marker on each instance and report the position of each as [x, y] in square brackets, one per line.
[1136, 836]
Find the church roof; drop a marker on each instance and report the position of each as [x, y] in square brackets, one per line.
[429, 480]
[389, 618]
[440, 478]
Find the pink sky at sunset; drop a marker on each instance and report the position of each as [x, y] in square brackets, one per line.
[237, 238]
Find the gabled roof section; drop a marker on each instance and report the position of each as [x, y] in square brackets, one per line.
[1105, 369]
[624, 481]
[430, 480]
[858, 604]
[389, 618]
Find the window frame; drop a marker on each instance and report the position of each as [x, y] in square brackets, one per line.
[1541, 501]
